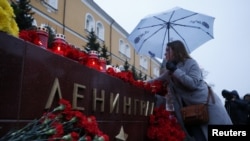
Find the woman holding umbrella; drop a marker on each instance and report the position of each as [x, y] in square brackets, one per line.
[186, 84]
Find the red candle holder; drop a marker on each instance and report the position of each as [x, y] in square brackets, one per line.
[93, 61]
[83, 57]
[102, 64]
[43, 35]
[73, 52]
[59, 45]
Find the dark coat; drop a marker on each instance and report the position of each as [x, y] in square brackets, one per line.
[239, 111]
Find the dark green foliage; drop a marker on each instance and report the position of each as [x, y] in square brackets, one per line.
[140, 76]
[22, 11]
[126, 65]
[104, 53]
[135, 75]
[52, 35]
[92, 42]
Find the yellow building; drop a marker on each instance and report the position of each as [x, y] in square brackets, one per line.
[76, 18]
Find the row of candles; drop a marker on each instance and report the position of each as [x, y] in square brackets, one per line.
[90, 59]
[61, 47]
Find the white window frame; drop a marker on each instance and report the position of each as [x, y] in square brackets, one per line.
[89, 22]
[124, 49]
[121, 46]
[144, 62]
[156, 71]
[127, 51]
[53, 3]
[100, 30]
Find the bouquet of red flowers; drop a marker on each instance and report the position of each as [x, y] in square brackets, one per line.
[61, 124]
[163, 126]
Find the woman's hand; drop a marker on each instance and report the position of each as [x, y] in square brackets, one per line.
[171, 66]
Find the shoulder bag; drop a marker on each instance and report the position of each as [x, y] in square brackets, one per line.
[197, 114]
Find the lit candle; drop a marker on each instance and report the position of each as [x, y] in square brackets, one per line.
[102, 64]
[93, 61]
[59, 45]
[43, 35]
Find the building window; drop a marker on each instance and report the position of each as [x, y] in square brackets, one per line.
[144, 62]
[89, 23]
[124, 49]
[100, 30]
[121, 46]
[156, 71]
[53, 3]
[127, 51]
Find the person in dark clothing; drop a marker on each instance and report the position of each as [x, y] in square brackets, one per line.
[244, 105]
[238, 109]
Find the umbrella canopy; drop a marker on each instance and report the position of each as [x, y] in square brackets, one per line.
[153, 32]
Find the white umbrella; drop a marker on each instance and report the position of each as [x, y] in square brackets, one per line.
[153, 32]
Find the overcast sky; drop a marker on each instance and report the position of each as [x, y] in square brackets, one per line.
[225, 58]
